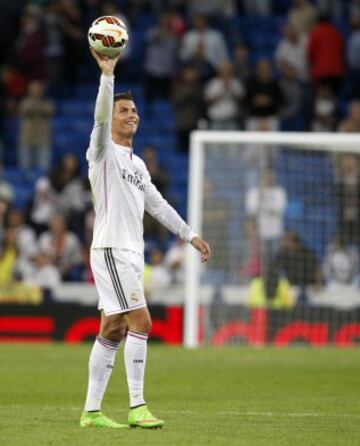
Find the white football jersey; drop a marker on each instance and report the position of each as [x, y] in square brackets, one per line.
[122, 187]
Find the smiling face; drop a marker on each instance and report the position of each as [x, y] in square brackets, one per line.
[125, 118]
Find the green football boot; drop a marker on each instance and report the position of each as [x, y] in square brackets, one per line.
[142, 417]
[98, 419]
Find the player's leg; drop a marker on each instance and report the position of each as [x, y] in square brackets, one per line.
[124, 274]
[112, 330]
[101, 363]
[102, 358]
[135, 353]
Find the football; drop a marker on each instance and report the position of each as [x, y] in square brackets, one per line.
[108, 36]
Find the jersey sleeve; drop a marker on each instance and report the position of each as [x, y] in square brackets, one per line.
[101, 133]
[161, 210]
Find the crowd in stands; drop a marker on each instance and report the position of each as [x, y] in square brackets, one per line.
[200, 56]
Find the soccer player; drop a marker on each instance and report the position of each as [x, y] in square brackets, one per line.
[122, 189]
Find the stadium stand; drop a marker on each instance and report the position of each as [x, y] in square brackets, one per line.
[74, 113]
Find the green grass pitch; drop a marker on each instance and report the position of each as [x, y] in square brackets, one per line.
[223, 396]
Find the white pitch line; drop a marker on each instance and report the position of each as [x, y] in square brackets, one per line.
[290, 414]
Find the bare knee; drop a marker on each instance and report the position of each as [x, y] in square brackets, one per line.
[139, 320]
[113, 327]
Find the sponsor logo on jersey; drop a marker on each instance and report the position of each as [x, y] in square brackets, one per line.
[135, 178]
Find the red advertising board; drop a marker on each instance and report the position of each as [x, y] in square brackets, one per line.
[76, 323]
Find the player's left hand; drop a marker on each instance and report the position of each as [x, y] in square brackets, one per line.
[203, 247]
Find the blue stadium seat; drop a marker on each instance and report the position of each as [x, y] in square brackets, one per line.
[86, 90]
[13, 175]
[76, 107]
[23, 195]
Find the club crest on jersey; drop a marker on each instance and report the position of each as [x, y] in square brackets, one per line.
[134, 178]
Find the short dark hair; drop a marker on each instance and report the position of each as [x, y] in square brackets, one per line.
[126, 96]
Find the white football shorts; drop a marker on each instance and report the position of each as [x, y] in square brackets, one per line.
[118, 275]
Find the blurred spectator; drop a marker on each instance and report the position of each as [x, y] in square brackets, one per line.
[213, 42]
[63, 247]
[263, 97]
[8, 256]
[174, 260]
[7, 192]
[43, 205]
[325, 112]
[341, 265]
[250, 261]
[4, 209]
[177, 10]
[216, 216]
[267, 203]
[354, 10]
[187, 97]
[160, 59]
[257, 7]
[26, 243]
[30, 45]
[241, 63]
[255, 158]
[203, 68]
[74, 38]
[159, 177]
[15, 87]
[353, 59]
[298, 263]
[54, 50]
[157, 275]
[223, 95]
[333, 8]
[68, 185]
[42, 273]
[347, 126]
[35, 131]
[292, 94]
[302, 16]
[291, 51]
[348, 199]
[271, 291]
[217, 10]
[351, 123]
[326, 55]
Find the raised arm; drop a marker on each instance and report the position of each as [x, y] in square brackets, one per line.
[160, 209]
[101, 133]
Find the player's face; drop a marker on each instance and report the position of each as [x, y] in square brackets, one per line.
[126, 117]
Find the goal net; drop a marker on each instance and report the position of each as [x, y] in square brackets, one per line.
[281, 212]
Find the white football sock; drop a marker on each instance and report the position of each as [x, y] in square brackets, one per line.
[135, 360]
[101, 363]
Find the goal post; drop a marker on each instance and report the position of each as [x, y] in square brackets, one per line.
[229, 164]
